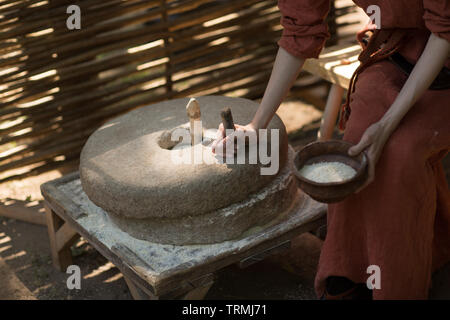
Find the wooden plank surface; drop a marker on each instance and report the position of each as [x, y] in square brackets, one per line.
[336, 64]
[65, 236]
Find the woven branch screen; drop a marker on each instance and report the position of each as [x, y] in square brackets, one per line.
[58, 85]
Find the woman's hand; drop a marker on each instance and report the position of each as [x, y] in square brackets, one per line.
[372, 143]
[425, 71]
[223, 142]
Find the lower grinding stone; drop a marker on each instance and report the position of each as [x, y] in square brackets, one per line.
[259, 210]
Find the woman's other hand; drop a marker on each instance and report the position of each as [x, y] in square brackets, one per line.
[372, 143]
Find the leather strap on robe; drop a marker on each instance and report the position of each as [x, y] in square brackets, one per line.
[382, 44]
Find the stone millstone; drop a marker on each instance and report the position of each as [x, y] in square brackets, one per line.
[125, 171]
[258, 211]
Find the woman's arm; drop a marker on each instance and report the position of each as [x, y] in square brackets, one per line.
[427, 68]
[304, 34]
[284, 73]
[285, 70]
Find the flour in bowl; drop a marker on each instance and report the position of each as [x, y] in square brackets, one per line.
[325, 172]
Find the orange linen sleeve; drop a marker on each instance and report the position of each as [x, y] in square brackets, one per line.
[305, 29]
[437, 17]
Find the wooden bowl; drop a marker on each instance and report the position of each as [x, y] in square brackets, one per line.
[330, 151]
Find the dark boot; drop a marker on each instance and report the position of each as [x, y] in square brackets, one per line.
[340, 288]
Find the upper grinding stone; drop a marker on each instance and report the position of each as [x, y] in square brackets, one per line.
[124, 170]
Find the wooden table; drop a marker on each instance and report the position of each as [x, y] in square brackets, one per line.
[155, 271]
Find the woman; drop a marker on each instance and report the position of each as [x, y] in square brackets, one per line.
[400, 220]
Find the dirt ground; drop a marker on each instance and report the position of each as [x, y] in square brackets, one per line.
[26, 270]
[26, 252]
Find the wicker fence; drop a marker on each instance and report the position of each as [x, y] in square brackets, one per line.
[58, 85]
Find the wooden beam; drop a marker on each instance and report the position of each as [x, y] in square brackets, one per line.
[336, 64]
[61, 258]
[331, 113]
[31, 212]
[65, 236]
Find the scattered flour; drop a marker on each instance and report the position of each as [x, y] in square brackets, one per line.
[324, 172]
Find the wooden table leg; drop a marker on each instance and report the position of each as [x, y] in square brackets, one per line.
[198, 288]
[198, 293]
[61, 237]
[136, 292]
[195, 289]
[331, 113]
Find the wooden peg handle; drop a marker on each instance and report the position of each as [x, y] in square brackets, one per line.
[227, 119]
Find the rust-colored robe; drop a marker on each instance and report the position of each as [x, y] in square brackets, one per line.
[400, 222]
